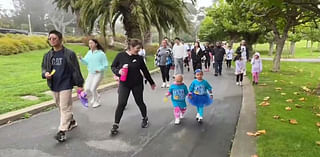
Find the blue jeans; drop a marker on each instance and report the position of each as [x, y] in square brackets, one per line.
[218, 67]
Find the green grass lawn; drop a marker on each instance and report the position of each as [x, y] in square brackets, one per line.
[21, 75]
[300, 51]
[283, 139]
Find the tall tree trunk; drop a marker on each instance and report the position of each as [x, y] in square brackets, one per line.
[292, 48]
[271, 46]
[279, 48]
[131, 25]
[160, 36]
[311, 48]
[147, 37]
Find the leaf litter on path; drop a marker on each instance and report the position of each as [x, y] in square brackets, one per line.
[289, 100]
[257, 133]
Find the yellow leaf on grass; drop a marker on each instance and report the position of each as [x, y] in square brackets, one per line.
[297, 105]
[264, 103]
[266, 98]
[305, 88]
[276, 117]
[283, 94]
[289, 100]
[278, 88]
[318, 124]
[296, 93]
[262, 131]
[275, 80]
[318, 143]
[251, 134]
[288, 108]
[291, 82]
[293, 121]
[302, 99]
[318, 114]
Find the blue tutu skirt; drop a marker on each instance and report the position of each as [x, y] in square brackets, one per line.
[200, 100]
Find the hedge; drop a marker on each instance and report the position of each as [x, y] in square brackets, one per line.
[14, 44]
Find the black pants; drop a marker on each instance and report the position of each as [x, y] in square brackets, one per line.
[218, 67]
[123, 96]
[186, 62]
[196, 65]
[239, 77]
[165, 72]
[207, 62]
[228, 63]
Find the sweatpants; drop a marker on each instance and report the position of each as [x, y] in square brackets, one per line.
[165, 72]
[178, 66]
[123, 96]
[91, 85]
[239, 77]
[63, 101]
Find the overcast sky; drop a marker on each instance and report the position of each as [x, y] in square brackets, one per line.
[200, 3]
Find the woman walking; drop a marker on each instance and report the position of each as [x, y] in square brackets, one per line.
[164, 61]
[196, 55]
[97, 63]
[127, 65]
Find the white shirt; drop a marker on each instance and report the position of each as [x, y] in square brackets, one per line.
[179, 51]
[229, 54]
[243, 52]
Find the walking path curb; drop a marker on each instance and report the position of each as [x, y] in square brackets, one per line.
[244, 145]
[295, 59]
[19, 114]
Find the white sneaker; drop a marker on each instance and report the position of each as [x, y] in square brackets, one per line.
[92, 101]
[177, 121]
[181, 116]
[240, 83]
[200, 119]
[197, 116]
[163, 85]
[167, 85]
[96, 104]
[237, 83]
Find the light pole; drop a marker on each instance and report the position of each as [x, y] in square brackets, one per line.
[29, 24]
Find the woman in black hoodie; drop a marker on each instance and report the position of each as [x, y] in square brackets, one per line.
[196, 55]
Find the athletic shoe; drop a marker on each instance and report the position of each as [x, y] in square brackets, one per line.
[177, 121]
[181, 116]
[167, 85]
[96, 104]
[237, 83]
[61, 136]
[200, 119]
[197, 116]
[145, 122]
[145, 81]
[240, 83]
[188, 69]
[114, 129]
[163, 85]
[253, 83]
[72, 124]
[215, 74]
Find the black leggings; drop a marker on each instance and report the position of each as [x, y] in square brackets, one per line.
[165, 72]
[228, 63]
[207, 62]
[196, 65]
[123, 96]
[239, 77]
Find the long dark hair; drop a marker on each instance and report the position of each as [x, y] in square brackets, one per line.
[99, 47]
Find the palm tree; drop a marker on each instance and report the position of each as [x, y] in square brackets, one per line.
[137, 15]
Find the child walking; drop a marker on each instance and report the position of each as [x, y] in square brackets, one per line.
[240, 68]
[256, 68]
[178, 91]
[198, 95]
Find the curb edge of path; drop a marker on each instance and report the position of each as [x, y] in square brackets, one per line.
[244, 145]
[37, 108]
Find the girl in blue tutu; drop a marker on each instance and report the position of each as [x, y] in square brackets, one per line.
[198, 94]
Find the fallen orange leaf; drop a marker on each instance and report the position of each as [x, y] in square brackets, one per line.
[289, 100]
[318, 124]
[302, 99]
[288, 108]
[264, 103]
[293, 121]
[251, 134]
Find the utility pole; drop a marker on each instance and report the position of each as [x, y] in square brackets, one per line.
[30, 32]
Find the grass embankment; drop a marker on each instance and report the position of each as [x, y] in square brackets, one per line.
[293, 82]
[21, 75]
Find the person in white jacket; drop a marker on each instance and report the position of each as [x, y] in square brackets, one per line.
[256, 67]
[240, 67]
[179, 53]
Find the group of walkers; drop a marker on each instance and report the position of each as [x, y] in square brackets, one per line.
[60, 67]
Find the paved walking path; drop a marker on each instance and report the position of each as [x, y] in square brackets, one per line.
[34, 137]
